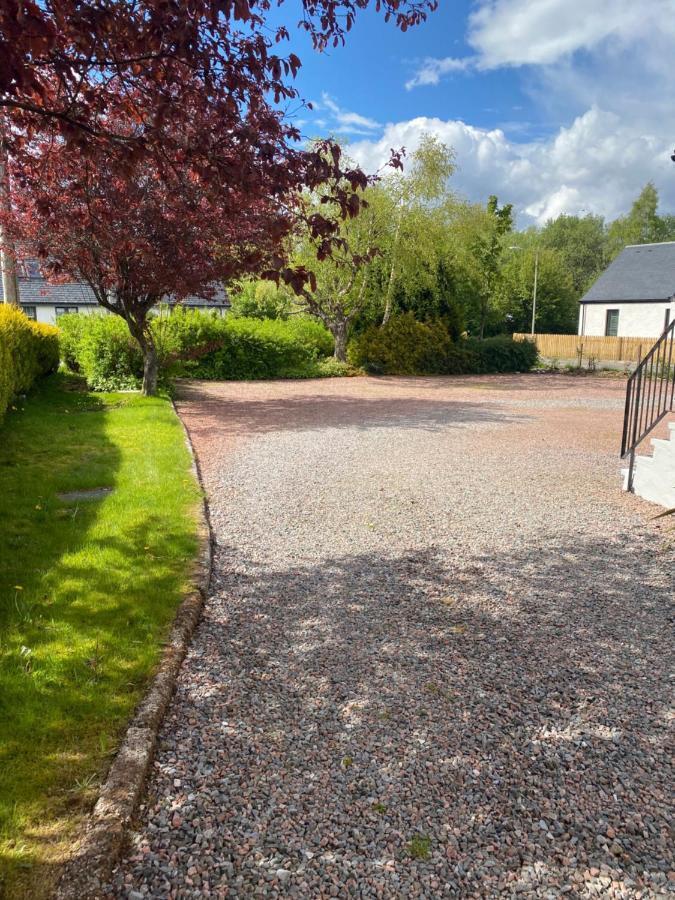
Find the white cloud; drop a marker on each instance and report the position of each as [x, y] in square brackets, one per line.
[343, 120]
[598, 164]
[520, 32]
[545, 32]
[431, 70]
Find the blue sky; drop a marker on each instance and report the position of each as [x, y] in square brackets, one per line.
[555, 105]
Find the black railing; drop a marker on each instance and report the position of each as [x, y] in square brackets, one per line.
[649, 395]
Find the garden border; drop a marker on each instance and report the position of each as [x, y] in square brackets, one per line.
[101, 845]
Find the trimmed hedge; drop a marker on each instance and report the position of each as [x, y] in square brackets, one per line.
[100, 347]
[195, 344]
[405, 346]
[27, 350]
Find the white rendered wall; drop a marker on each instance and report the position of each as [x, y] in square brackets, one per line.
[46, 313]
[635, 319]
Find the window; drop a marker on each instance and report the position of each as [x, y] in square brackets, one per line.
[666, 321]
[30, 311]
[62, 310]
[612, 323]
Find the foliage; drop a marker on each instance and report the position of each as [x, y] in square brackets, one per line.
[88, 589]
[28, 350]
[102, 349]
[195, 343]
[642, 225]
[149, 153]
[580, 242]
[255, 299]
[405, 346]
[557, 307]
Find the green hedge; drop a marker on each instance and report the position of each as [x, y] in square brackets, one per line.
[405, 346]
[27, 350]
[195, 344]
[100, 347]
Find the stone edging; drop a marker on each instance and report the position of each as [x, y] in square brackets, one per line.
[102, 843]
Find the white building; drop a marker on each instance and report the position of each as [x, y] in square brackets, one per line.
[45, 302]
[634, 296]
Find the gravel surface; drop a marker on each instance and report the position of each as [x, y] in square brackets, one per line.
[437, 659]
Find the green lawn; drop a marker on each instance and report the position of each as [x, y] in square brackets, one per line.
[88, 589]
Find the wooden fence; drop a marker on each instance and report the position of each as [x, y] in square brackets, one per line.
[576, 346]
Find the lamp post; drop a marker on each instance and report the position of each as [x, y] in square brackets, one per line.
[534, 291]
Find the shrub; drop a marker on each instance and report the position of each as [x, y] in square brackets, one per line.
[254, 349]
[503, 354]
[405, 346]
[71, 327]
[196, 344]
[312, 334]
[106, 354]
[27, 351]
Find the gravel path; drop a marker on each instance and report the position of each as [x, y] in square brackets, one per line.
[437, 660]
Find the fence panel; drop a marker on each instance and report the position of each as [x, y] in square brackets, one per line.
[571, 346]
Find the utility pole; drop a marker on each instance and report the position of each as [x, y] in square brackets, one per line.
[10, 286]
[534, 292]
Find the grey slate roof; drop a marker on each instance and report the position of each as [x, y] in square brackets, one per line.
[640, 272]
[34, 290]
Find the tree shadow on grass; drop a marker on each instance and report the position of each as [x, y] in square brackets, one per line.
[81, 607]
[512, 708]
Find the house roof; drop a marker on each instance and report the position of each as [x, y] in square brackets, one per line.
[640, 272]
[35, 290]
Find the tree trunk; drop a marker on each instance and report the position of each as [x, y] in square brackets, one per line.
[140, 330]
[390, 285]
[150, 369]
[339, 331]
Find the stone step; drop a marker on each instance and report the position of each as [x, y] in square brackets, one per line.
[654, 476]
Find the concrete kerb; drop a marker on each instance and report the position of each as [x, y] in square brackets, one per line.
[101, 845]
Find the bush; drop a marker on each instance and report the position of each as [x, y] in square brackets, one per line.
[195, 344]
[71, 327]
[503, 354]
[104, 352]
[254, 349]
[27, 350]
[405, 346]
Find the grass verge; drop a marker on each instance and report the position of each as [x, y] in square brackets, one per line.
[88, 590]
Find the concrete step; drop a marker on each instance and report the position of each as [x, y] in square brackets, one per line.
[654, 476]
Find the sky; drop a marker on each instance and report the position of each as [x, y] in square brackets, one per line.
[556, 106]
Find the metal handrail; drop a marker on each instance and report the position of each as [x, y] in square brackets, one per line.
[650, 393]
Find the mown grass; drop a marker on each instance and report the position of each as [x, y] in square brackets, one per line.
[88, 590]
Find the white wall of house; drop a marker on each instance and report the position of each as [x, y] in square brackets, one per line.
[635, 319]
[46, 312]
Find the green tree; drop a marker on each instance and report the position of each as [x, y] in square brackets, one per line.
[642, 225]
[557, 298]
[479, 235]
[416, 202]
[580, 241]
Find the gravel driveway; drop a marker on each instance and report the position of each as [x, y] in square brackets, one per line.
[437, 658]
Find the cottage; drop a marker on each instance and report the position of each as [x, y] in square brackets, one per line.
[45, 302]
[634, 296]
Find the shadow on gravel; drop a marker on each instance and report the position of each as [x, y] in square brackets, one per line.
[222, 417]
[513, 710]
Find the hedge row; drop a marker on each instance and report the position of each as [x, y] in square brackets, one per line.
[405, 346]
[196, 344]
[27, 350]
